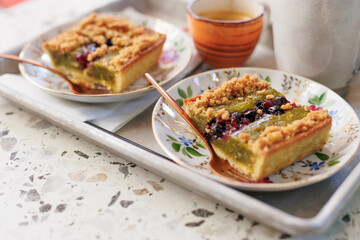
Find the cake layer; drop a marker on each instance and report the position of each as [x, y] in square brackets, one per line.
[105, 52]
[241, 154]
[255, 128]
[239, 104]
[265, 156]
[291, 150]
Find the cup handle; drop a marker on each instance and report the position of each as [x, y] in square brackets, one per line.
[267, 36]
[356, 72]
[267, 19]
[357, 69]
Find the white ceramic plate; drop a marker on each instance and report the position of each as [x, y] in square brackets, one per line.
[176, 138]
[175, 57]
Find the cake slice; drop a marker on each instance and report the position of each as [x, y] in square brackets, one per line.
[255, 128]
[105, 52]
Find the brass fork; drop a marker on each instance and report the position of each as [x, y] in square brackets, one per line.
[218, 165]
[75, 88]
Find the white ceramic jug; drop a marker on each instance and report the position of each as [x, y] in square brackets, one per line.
[318, 39]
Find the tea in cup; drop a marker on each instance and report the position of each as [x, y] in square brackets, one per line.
[225, 32]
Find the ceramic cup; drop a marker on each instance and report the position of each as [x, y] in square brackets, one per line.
[317, 39]
[225, 43]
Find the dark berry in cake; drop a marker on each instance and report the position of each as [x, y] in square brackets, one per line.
[81, 56]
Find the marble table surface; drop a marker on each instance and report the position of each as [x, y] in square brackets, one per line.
[55, 185]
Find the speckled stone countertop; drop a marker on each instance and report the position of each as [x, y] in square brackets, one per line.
[55, 185]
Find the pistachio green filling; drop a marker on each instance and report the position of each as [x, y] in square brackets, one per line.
[246, 104]
[67, 60]
[98, 71]
[235, 105]
[233, 147]
[254, 129]
[239, 151]
[101, 73]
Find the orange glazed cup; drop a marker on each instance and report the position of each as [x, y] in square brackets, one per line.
[225, 32]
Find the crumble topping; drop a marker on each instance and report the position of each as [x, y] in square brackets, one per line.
[139, 44]
[243, 137]
[288, 106]
[261, 92]
[235, 88]
[274, 134]
[223, 114]
[99, 52]
[209, 112]
[110, 34]
[270, 96]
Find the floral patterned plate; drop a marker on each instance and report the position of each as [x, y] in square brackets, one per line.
[177, 140]
[175, 57]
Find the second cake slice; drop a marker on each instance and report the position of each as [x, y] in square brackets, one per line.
[105, 52]
[255, 128]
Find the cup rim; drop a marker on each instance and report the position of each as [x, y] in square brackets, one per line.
[214, 21]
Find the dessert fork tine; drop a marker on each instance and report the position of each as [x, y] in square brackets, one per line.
[219, 166]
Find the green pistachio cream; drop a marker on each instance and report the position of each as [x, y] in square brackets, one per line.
[250, 115]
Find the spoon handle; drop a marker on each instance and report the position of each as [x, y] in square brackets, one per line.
[18, 59]
[176, 106]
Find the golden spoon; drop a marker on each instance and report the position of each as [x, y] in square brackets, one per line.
[75, 88]
[218, 165]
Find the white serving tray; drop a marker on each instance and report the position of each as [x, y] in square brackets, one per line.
[296, 212]
[279, 210]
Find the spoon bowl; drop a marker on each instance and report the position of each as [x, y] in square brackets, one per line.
[75, 88]
[218, 165]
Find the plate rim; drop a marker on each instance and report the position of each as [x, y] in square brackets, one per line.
[68, 95]
[257, 187]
